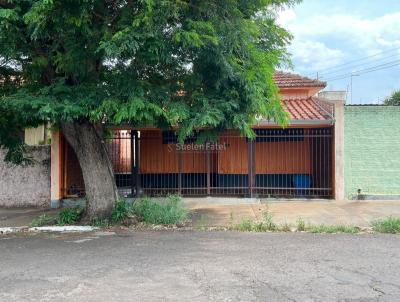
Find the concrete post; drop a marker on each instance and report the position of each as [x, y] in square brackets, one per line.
[55, 176]
[338, 99]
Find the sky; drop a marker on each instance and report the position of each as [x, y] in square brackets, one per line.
[335, 39]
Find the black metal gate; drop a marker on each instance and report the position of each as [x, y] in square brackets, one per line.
[279, 163]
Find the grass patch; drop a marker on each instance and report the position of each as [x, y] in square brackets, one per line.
[301, 225]
[267, 224]
[70, 216]
[201, 223]
[100, 223]
[245, 226]
[42, 220]
[322, 228]
[248, 225]
[121, 211]
[168, 213]
[285, 227]
[269, 221]
[389, 225]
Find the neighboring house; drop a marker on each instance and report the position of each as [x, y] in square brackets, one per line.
[372, 151]
[304, 160]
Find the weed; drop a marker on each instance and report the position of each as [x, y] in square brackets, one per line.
[42, 220]
[231, 219]
[285, 227]
[268, 221]
[201, 223]
[121, 211]
[389, 225]
[100, 223]
[321, 228]
[259, 227]
[152, 212]
[248, 225]
[245, 226]
[69, 216]
[301, 225]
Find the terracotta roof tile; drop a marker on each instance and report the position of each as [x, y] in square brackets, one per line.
[289, 80]
[305, 109]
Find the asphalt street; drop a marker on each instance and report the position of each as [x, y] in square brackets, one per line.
[199, 266]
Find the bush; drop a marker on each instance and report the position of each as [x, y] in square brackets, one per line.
[70, 216]
[389, 225]
[121, 211]
[42, 220]
[170, 212]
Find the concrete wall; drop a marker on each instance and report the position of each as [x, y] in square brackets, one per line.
[26, 186]
[372, 150]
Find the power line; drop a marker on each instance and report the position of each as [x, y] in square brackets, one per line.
[366, 70]
[359, 60]
[361, 72]
[357, 65]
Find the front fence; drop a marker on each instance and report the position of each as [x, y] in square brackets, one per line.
[285, 163]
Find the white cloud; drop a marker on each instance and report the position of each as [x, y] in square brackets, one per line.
[315, 55]
[285, 16]
[350, 34]
[366, 33]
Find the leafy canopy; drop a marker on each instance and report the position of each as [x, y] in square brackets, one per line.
[190, 63]
[393, 100]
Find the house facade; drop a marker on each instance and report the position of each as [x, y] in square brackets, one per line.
[303, 160]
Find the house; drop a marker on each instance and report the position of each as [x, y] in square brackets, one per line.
[303, 160]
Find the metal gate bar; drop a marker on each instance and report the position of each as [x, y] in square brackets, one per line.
[283, 163]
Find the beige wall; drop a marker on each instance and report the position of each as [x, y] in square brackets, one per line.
[37, 136]
[338, 99]
[23, 186]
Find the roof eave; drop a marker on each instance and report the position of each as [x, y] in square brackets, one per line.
[298, 122]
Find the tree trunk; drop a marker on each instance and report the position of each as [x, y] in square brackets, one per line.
[98, 175]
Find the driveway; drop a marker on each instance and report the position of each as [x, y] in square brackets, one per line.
[199, 266]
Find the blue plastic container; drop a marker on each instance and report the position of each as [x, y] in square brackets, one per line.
[302, 182]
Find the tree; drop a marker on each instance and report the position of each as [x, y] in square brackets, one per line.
[393, 100]
[84, 64]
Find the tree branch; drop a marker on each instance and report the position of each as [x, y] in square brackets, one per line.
[6, 4]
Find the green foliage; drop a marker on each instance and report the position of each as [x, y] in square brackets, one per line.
[322, 228]
[201, 223]
[268, 220]
[301, 224]
[152, 212]
[388, 225]
[194, 64]
[121, 211]
[100, 223]
[247, 225]
[42, 220]
[267, 224]
[285, 227]
[70, 216]
[393, 100]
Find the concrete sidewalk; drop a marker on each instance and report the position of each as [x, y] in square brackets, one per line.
[22, 217]
[358, 213]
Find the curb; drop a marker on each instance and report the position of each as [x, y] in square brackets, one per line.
[44, 229]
